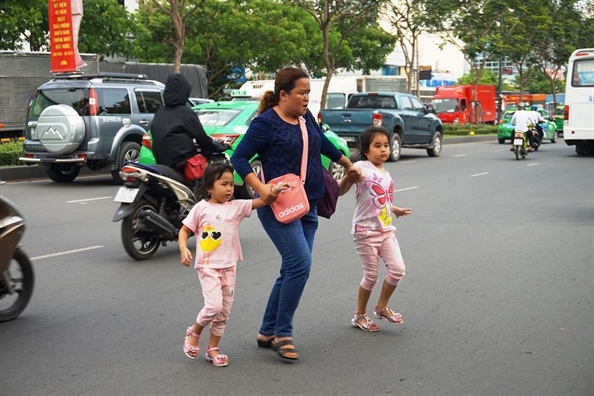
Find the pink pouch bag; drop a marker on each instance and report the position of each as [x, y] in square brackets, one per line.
[292, 204]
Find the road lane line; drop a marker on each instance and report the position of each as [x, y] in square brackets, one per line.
[536, 163]
[406, 189]
[479, 174]
[67, 252]
[459, 155]
[89, 199]
[500, 150]
[406, 162]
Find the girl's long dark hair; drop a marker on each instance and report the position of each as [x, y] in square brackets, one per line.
[367, 137]
[212, 173]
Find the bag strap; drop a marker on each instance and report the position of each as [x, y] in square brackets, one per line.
[303, 154]
[305, 149]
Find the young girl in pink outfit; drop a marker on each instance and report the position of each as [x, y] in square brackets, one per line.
[215, 222]
[374, 234]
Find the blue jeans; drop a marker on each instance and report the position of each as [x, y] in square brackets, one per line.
[294, 242]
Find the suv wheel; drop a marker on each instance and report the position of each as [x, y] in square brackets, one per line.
[129, 151]
[63, 173]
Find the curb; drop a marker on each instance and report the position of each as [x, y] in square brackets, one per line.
[24, 172]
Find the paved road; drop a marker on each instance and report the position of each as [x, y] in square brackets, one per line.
[498, 298]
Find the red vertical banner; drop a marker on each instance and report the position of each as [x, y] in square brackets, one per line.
[61, 36]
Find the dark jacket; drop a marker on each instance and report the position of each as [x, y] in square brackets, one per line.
[175, 125]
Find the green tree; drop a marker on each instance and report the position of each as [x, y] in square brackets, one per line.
[408, 20]
[487, 78]
[23, 23]
[338, 22]
[178, 11]
[106, 29]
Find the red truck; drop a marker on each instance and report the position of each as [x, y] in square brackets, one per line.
[455, 104]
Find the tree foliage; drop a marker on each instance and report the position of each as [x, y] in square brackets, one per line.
[339, 21]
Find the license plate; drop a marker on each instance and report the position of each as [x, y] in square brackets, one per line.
[518, 142]
[349, 138]
[126, 194]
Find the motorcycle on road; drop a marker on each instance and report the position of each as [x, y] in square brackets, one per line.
[17, 277]
[154, 201]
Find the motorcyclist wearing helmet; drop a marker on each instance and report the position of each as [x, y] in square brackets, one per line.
[536, 121]
[175, 127]
[521, 121]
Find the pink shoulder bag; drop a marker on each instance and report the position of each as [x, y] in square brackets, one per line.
[292, 204]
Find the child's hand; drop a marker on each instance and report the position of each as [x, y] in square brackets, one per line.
[401, 211]
[186, 257]
[280, 187]
[354, 174]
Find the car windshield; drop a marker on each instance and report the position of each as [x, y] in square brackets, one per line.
[217, 117]
[77, 98]
[509, 114]
[445, 105]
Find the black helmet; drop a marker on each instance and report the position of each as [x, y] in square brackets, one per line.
[521, 106]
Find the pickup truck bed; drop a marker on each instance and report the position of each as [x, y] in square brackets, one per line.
[411, 124]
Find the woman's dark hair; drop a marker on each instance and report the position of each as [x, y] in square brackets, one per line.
[286, 80]
[212, 173]
[367, 137]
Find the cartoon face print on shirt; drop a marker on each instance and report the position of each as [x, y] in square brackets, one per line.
[383, 200]
[210, 238]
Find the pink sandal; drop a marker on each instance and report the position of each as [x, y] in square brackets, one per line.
[369, 324]
[219, 360]
[395, 317]
[191, 351]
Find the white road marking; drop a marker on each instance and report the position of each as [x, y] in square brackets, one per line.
[67, 252]
[459, 155]
[536, 163]
[406, 189]
[89, 199]
[406, 162]
[479, 174]
[500, 150]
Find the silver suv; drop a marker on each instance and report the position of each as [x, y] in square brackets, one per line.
[89, 120]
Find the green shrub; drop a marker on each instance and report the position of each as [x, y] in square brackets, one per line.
[461, 130]
[10, 152]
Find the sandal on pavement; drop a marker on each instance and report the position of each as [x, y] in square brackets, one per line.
[191, 351]
[265, 343]
[389, 315]
[285, 353]
[369, 324]
[219, 360]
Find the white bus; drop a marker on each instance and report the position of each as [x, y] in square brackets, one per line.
[578, 124]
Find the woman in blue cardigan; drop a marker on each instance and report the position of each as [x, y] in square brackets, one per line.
[275, 136]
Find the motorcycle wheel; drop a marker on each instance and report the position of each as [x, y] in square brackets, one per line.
[138, 243]
[22, 278]
[517, 152]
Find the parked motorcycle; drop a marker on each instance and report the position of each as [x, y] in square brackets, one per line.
[18, 279]
[154, 201]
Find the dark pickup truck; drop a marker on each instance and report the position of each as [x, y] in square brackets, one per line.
[411, 123]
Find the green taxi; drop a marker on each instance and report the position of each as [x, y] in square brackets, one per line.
[228, 121]
[505, 129]
[559, 118]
